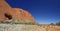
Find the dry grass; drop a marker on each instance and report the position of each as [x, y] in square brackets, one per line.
[22, 27]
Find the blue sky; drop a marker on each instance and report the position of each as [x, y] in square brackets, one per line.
[44, 11]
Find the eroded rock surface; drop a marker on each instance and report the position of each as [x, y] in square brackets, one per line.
[8, 13]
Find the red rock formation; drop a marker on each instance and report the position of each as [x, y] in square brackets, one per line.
[14, 13]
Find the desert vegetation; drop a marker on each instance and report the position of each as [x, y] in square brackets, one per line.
[22, 27]
[17, 25]
[57, 24]
[17, 22]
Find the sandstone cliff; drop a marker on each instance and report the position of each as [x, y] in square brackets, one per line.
[7, 13]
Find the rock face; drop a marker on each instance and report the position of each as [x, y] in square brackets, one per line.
[8, 13]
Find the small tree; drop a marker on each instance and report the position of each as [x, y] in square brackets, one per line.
[58, 23]
[52, 24]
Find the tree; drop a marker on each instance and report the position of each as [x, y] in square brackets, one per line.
[52, 24]
[58, 23]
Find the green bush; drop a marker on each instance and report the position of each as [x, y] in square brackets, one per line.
[14, 21]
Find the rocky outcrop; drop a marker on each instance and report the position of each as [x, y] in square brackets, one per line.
[7, 13]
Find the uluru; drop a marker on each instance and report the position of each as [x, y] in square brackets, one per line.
[7, 13]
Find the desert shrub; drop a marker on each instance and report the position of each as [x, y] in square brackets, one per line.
[21, 22]
[38, 24]
[29, 23]
[14, 21]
